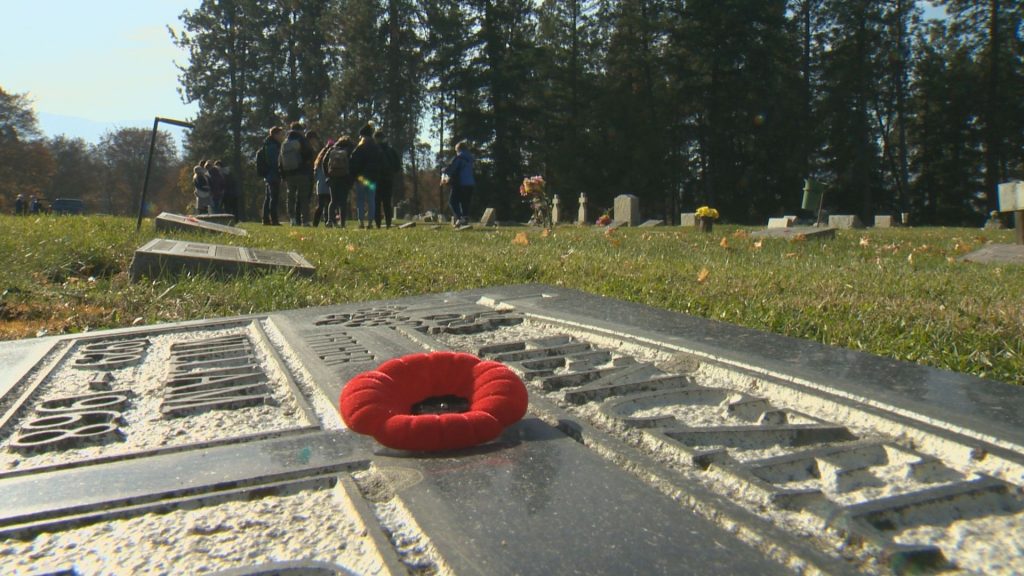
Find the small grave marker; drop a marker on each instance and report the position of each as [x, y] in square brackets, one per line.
[581, 216]
[784, 222]
[652, 223]
[488, 218]
[167, 222]
[688, 219]
[883, 221]
[161, 255]
[1011, 199]
[844, 221]
[627, 209]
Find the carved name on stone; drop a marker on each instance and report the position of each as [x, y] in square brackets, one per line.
[214, 374]
[110, 355]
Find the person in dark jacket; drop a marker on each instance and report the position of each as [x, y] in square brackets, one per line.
[201, 189]
[296, 164]
[268, 169]
[216, 178]
[339, 178]
[460, 175]
[386, 186]
[366, 165]
[20, 206]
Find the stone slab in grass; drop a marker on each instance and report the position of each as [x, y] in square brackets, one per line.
[655, 443]
[883, 221]
[997, 254]
[652, 224]
[167, 222]
[224, 219]
[407, 225]
[160, 256]
[797, 233]
[844, 221]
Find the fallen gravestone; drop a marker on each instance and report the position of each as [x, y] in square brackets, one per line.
[688, 219]
[797, 233]
[160, 256]
[225, 219]
[997, 254]
[883, 221]
[488, 218]
[407, 225]
[167, 222]
[844, 221]
[627, 209]
[652, 223]
[655, 443]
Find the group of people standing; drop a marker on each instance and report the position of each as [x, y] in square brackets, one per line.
[297, 163]
[215, 188]
[23, 207]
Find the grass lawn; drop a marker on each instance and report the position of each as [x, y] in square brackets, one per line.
[900, 293]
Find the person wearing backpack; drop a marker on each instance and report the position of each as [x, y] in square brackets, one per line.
[296, 164]
[339, 178]
[366, 165]
[385, 188]
[216, 178]
[460, 175]
[267, 168]
[323, 187]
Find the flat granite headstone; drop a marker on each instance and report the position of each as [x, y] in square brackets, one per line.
[997, 254]
[652, 224]
[784, 222]
[407, 225]
[844, 221]
[627, 209]
[654, 443]
[225, 219]
[488, 218]
[174, 256]
[883, 221]
[797, 233]
[175, 222]
[688, 219]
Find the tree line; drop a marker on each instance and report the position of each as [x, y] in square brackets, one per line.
[107, 176]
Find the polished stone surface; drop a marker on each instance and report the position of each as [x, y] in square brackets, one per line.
[537, 502]
[48, 495]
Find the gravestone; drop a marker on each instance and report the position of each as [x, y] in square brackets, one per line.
[797, 233]
[652, 223]
[556, 209]
[883, 221]
[224, 219]
[1011, 199]
[167, 222]
[160, 256]
[488, 218]
[688, 219]
[651, 437]
[844, 221]
[784, 222]
[627, 209]
[407, 225]
[582, 216]
[997, 254]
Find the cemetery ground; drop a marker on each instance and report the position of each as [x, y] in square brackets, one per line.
[902, 293]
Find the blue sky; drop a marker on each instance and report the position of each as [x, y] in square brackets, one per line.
[92, 66]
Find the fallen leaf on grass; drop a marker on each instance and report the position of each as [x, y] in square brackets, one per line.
[865, 242]
[521, 239]
[702, 276]
[741, 234]
[545, 233]
[758, 244]
[724, 243]
[799, 238]
[789, 255]
[351, 247]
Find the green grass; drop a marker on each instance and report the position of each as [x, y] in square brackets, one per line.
[900, 293]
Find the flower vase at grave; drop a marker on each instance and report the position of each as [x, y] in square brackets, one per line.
[705, 224]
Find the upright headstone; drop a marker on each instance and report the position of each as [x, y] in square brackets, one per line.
[556, 209]
[581, 216]
[488, 218]
[688, 219]
[844, 221]
[627, 209]
[173, 256]
[167, 222]
[1011, 199]
[883, 221]
[784, 222]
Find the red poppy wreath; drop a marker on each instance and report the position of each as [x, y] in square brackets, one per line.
[435, 401]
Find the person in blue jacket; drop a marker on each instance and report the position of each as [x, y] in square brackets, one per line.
[460, 176]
